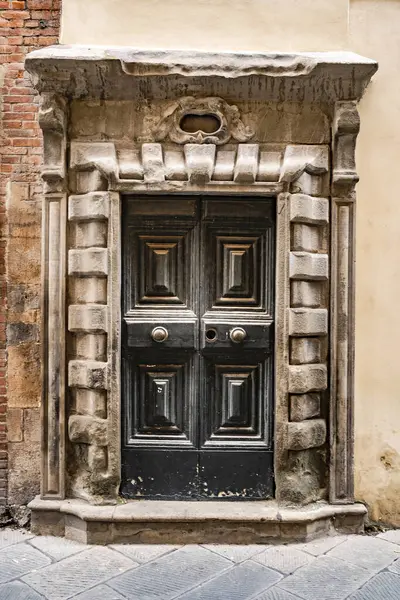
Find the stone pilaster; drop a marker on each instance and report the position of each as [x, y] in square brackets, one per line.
[346, 124]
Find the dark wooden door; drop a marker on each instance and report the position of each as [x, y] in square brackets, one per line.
[197, 369]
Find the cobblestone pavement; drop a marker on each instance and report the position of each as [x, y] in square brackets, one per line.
[334, 568]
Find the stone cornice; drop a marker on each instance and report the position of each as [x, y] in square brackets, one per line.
[107, 72]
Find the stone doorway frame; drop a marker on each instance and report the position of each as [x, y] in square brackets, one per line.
[314, 186]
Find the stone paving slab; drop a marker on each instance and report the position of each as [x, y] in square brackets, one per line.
[368, 552]
[16, 561]
[326, 578]
[57, 548]
[75, 574]
[235, 553]
[239, 583]
[284, 559]
[352, 567]
[171, 575]
[384, 586]
[16, 590]
[143, 553]
[9, 537]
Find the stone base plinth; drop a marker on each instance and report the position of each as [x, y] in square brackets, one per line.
[161, 522]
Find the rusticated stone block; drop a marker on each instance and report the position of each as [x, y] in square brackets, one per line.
[308, 266]
[93, 206]
[88, 262]
[87, 374]
[91, 346]
[87, 317]
[200, 162]
[308, 321]
[90, 234]
[306, 293]
[306, 434]
[92, 402]
[153, 164]
[306, 238]
[97, 459]
[84, 429]
[305, 351]
[246, 163]
[307, 378]
[90, 290]
[306, 209]
[304, 406]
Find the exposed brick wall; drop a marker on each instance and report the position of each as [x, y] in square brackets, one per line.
[25, 25]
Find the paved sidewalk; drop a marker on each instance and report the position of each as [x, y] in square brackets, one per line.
[335, 568]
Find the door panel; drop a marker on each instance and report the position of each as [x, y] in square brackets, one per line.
[198, 338]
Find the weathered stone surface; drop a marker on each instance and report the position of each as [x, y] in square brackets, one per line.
[199, 162]
[20, 332]
[92, 346]
[307, 378]
[87, 317]
[89, 234]
[153, 165]
[90, 290]
[304, 406]
[87, 374]
[305, 350]
[306, 238]
[308, 266]
[24, 392]
[246, 163]
[308, 321]
[88, 430]
[92, 206]
[307, 209]
[15, 422]
[283, 67]
[88, 263]
[306, 293]
[21, 515]
[306, 434]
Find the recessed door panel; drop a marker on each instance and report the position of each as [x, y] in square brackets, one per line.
[198, 342]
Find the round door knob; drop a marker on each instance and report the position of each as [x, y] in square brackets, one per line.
[237, 334]
[159, 334]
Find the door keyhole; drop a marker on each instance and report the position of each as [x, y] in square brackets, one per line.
[211, 335]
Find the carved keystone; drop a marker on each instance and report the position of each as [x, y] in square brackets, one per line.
[88, 262]
[307, 378]
[308, 321]
[84, 429]
[308, 266]
[93, 206]
[87, 374]
[307, 434]
[86, 317]
[307, 209]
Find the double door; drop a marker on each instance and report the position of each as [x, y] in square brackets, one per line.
[197, 368]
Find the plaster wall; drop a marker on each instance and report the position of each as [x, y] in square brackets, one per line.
[371, 28]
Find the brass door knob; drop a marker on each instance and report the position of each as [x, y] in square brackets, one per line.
[237, 334]
[159, 334]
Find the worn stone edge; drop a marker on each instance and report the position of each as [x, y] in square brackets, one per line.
[200, 511]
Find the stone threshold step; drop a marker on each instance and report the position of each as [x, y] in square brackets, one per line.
[163, 522]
